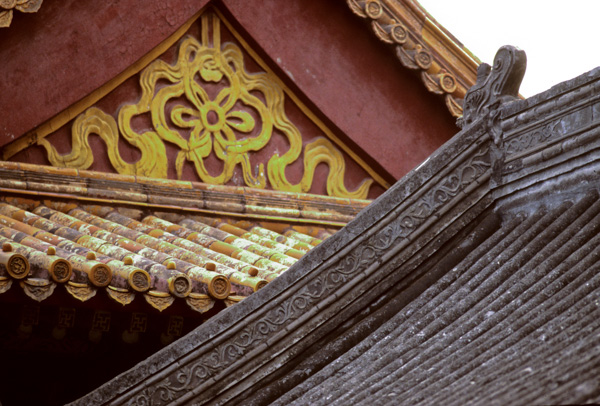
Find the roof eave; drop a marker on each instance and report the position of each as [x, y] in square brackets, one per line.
[446, 67]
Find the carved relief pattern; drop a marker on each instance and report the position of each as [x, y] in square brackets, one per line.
[530, 139]
[80, 291]
[238, 121]
[181, 287]
[495, 85]
[120, 295]
[66, 317]
[139, 280]
[175, 326]
[101, 275]
[220, 287]
[101, 321]
[62, 271]
[139, 323]
[200, 303]
[325, 283]
[18, 267]
[38, 289]
[159, 302]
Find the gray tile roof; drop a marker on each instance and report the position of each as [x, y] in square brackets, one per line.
[514, 322]
[474, 280]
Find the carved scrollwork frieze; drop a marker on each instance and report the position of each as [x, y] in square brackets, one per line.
[353, 264]
[534, 137]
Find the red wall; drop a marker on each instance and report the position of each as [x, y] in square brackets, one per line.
[69, 48]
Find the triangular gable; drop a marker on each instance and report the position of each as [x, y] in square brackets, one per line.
[209, 109]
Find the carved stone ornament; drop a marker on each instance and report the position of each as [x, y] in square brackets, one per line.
[159, 300]
[495, 85]
[81, 291]
[24, 6]
[199, 302]
[238, 121]
[122, 296]
[38, 289]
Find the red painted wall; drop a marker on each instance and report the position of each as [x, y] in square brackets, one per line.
[69, 48]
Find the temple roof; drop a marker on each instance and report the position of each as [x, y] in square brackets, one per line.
[472, 280]
[514, 322]
[65, 232]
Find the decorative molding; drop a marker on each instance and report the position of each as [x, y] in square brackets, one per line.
[45, 129]
[238, 121]
[24, 6]
[533, 138]
[188, 197]
[551, 142]
[553, 120]
[421, 44]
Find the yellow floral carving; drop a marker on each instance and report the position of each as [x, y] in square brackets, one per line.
[177, 100]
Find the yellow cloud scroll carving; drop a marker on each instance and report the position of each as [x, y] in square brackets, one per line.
[221, 124]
